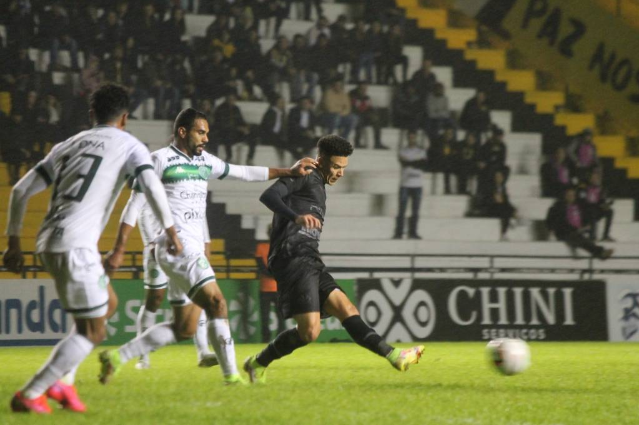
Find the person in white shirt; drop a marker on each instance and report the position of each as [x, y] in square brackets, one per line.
[88, 172]
[185, 168]
[413, 160]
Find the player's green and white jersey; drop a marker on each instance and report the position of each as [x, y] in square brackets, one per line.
[88, 172]
[185, 181]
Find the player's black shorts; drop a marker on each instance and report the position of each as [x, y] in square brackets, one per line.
[303, 285]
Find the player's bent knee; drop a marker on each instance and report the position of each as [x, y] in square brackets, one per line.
[309, 335]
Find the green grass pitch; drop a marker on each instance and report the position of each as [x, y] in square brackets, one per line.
[568, 383]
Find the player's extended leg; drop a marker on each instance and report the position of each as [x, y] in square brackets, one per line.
[212, 301]
[153, 298]
[205, 357]
[183, 327]
[338, 305]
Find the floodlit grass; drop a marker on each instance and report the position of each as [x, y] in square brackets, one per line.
[568, 383]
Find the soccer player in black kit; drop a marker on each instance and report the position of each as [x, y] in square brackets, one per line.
[306, 292]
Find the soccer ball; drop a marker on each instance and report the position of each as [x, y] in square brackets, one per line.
[508, 356]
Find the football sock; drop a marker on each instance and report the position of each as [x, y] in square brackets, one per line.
[283, 345]
[155, 337]
[366, 336]
[200, 338]
[66, 355]
[145, 320]
[69, 378]
[222, 341]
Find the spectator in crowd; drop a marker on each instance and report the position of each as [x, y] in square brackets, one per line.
[556, 175]
[324, 61]
[322, 27]
[408, 109]
[301, 126]
[362, 51]
[215, 29]
[424, 79]
[495, 202]
[583, 154]
[172, 31]
[14, 145]
[492, 158]
[156, 81]
[272, 13]
[210, 75]
[362, 107]
[111, 33]
[596, 206]
[336, 106]
[468, 159]
[438, 112]
[308, 4]
[91, 77]
[17, 73]
[268, 290]
[442, 155]
[280, 62]
[301, 74]
[413, 161]
[273, 128]
[230, 128]
[377, 42]
[393, 55]
[87, 34]
[475, 116]
[146, 30]
[181, 83]
[20, 24]
[225, 44]
[55, 32]
[250, 89]
[568, 222]
[249, 53]
[340, 40]
[117, 71]
[241, 30]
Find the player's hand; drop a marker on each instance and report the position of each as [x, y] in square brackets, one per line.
[113, 261]
[173, 245]
[303, 167]
[309, 221]
[13, 259]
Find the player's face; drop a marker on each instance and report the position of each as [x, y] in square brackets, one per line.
[333, 168]
[197, 137]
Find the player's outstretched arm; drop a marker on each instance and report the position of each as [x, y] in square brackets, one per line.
[115, 257]
[156, 197]
[247, 173]
[32, 183]
[301, 168]
[273, 198]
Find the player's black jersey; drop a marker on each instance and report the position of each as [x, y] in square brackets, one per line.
[303, 195]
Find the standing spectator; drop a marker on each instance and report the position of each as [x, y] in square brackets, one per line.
[241, 30]
[597, 205]
[91, 77]
[210, 76]
[377, 42]
[362, 107]
[492, 158]
[280, 62]
[172, 31]
[308, 7]
[155, 80]
[324, 61]
[111, 33]
[55, 30]
[230, 128]
[272, 128]
[336, 106]
[272, 12]
[442, 156]
[475, 116]
[302, 75]
[301, 126]
[583, 154]
[424, 79]
[117, 71]
[87, 34]
[566, 220]
[268, 291]
[320, 28]
[340, 40]
[556, 175]
[146, 30]
[494, 202]
[363, 51]
[467, 168]
[407, 109]
[181, 83]
[393, 55]
[249, 54]
[20, 23]
[413, 161]
[438, 112]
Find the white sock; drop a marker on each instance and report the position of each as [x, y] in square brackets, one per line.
[155, 337]
[200, 338]
[69, 378]
[67, 355]
[145, 320]
[220, 337]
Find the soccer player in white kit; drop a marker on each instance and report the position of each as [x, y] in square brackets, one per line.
[156, 281]
[184, 169]
[88, 172]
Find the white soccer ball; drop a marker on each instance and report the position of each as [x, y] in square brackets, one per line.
[508, 356]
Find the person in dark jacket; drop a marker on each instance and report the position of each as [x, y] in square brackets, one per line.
[583, 154]
[301, 126]
[362, 106]
[475, 116]
[442, 155]
[273, 128]
[467, 165]
[556, 175]
[230, 128]
[568, 222]
[394, 46]
[495, 202]
[492, 158]
[596, 205]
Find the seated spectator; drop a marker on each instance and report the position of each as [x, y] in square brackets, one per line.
[438, 112]
[393, 55]
[362, 107]
[336, 107]
[492, 158]
[242, 28]
[568, 222]
[596, 205]
[272, 131]
[408, 109]
[249, 54]
[583, 154]
[230, 128]
[301, 126]
[210, 75]
[301, 74]
[117, 71]
[225, 44]
[475, 116]
[467, 165]
[494, 202]
[556, 175]
[442, 156]
[321, 27]
[413, 161]
[424, 79]
[250, 89]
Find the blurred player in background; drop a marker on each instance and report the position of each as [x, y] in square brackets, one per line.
[306, 292]
[185, 168]
[88, 172]
[268, 290]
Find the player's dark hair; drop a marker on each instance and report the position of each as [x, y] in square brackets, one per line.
[108, 102]
[333, 145]
[186, 118]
